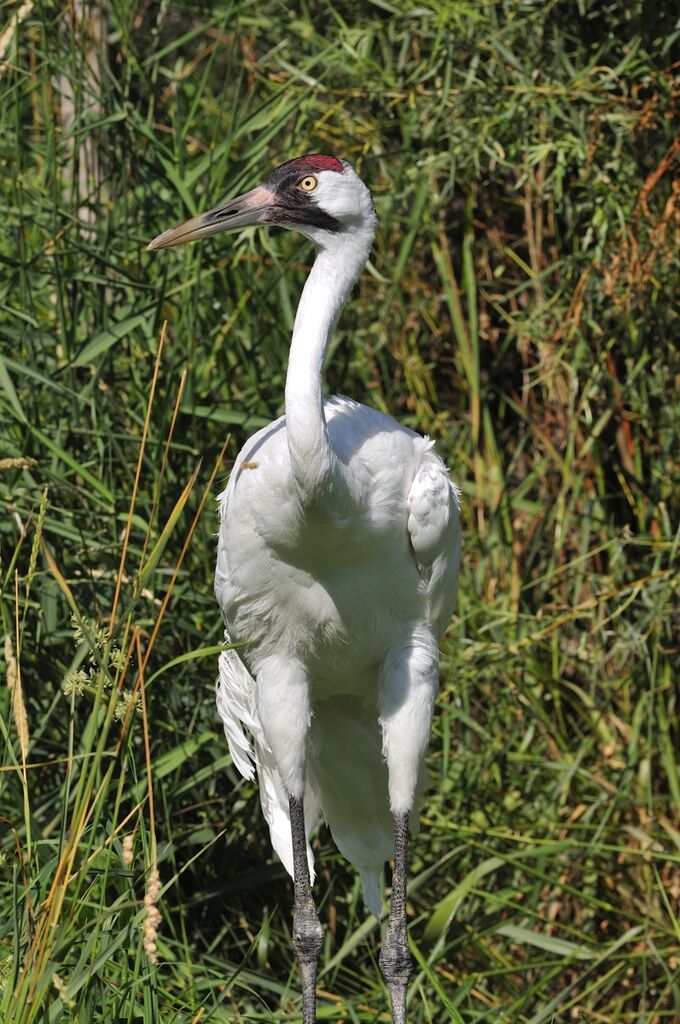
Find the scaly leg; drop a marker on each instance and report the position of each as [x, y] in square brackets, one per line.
[395, 959]
[307, 931]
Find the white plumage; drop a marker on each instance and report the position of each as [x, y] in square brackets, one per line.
[343, 595]
[336, 574]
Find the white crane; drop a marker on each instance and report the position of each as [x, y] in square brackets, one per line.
[337, 570]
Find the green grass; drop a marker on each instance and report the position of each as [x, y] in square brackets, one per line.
[519, 307]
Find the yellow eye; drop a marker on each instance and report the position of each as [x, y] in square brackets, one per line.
[308, 183]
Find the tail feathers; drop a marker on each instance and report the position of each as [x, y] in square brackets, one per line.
[275, 809]
[238, 711]
[345, 765]
[371, 885]
[236, 706]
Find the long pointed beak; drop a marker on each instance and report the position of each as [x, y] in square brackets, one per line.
[250, 208]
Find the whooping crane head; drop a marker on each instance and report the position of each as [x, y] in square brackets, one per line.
[319, 196]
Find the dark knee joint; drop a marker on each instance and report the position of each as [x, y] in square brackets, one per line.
[307, 935]
[395, 961]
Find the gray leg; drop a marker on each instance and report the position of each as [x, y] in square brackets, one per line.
[395, 959]
[307, 931]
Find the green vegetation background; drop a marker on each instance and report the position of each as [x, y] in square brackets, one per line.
[519, 307]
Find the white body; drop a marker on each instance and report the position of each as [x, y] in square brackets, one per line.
[337, 571]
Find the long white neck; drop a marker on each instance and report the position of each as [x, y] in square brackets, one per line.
[337, 266]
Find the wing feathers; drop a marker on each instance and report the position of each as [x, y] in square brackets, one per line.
[434, 529]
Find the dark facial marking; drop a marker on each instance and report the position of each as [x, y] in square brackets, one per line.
[293, 205]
